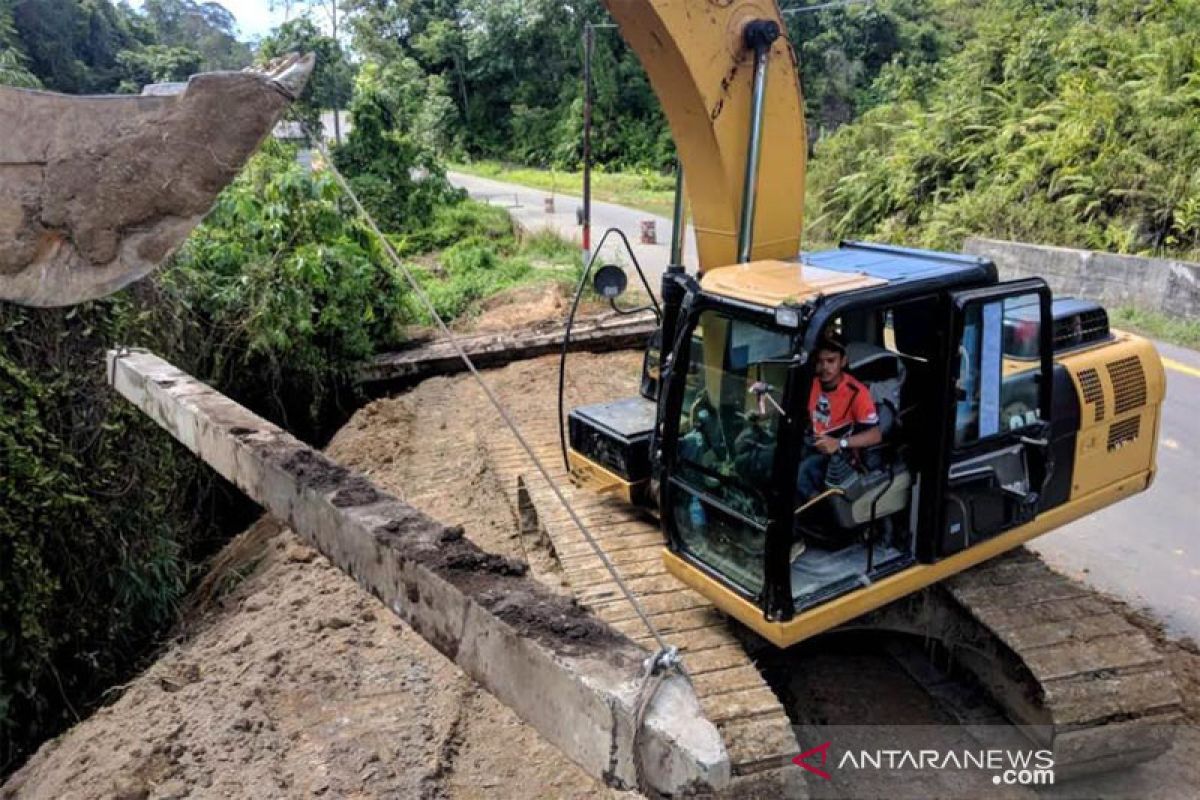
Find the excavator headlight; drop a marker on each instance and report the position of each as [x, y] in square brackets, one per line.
[787, 317]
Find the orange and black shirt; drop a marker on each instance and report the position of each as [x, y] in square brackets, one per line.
[839, 411]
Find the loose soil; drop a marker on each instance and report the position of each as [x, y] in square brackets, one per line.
[287, 680]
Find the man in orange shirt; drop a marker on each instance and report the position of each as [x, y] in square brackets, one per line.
[841, 413]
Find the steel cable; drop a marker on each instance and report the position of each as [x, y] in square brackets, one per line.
[487, 390]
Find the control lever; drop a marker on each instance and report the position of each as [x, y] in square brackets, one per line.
[762, 390]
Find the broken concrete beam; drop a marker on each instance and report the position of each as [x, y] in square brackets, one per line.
[569, 675]
[405, 367]
[95, 192]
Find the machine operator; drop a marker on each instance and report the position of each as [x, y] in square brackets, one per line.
[841, 413]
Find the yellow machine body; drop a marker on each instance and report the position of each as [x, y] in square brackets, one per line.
[1121, 385]
[694, 54]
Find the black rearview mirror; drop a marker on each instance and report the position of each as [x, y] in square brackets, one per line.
[610, 281]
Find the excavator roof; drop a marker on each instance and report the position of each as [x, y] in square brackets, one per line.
[851, 266]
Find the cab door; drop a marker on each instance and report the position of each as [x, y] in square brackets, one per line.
[999, 403]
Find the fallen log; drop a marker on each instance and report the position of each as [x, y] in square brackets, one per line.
[391, 371]
[568, 674]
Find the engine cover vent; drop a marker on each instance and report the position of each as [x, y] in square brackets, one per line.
[1123, 432]
[1093, 392]
[1078, 323]
[1129, 384]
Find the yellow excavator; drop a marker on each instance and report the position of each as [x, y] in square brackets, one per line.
[1003, 412]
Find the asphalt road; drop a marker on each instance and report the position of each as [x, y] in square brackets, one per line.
[1145, 550]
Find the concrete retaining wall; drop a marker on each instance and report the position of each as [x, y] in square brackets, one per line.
[1147, 284]
[565, 672]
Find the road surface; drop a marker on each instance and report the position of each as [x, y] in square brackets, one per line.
[1145, 550]
[527, 208]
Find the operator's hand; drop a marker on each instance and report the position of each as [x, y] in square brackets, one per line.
[826, 445]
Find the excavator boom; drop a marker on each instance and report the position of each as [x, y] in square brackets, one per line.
[96, 192]
[697, 59]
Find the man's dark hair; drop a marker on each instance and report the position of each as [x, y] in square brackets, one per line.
[831, 342]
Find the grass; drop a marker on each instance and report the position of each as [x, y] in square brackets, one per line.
[478, 255]
[644, 190]
[1183, 332]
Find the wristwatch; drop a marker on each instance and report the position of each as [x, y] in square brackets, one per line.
[844, 443]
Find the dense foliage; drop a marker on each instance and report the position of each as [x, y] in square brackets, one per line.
[96, 46]
[507, 78]
[1072, 122]
[101, 519]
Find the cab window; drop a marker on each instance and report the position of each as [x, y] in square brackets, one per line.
[997, 387]
[726, 445]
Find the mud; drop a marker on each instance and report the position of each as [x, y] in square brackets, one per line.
[314, 470]
[500, 584]
[356, 492]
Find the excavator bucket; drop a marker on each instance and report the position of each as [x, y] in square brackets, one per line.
[96, 192]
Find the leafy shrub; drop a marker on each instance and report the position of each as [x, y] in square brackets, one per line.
[288, 288]
[458, 221]
[1058, 122]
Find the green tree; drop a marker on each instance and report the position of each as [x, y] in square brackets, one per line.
[204, 27]
[13, 61]
[73, 45]
[157, 63]
[397, 176]
[331, 83]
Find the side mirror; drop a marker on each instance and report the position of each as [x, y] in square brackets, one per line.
[610, 281]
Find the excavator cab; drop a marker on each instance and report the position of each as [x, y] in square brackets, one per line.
[960, 371]
[735, 426]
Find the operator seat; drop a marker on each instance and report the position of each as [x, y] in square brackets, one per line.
[882, 487]
[883, 373]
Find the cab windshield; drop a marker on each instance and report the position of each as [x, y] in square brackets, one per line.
[726, 445]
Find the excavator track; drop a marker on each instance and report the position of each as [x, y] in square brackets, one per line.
[1060, 660]
[732, 691]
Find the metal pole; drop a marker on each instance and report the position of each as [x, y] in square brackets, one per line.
[759, 35]
[678, 218]
[588, 40]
